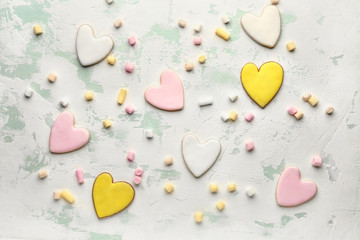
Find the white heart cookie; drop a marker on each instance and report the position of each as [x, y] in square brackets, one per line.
[91, 50]
[265, 29]
[199, 157]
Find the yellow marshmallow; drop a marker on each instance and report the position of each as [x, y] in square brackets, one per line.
[233, 116]
[67, 196]
[214, 187]
[89, 95]
[37, 30]
[298, 115]
[220, 205]
[222, 33]
[290, 46]
[198, 216]
[111, 60]
[231, 187]
[107, 123]
[169, 187]
[121, 96]
[202, 59]
[313, 101]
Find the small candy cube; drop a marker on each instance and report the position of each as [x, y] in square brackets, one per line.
[231, 187]
[57, 194]
[129, 67]
[329, 110]
[225, 19]
[197, 40]
[137, 180]
[214, 187]
[37, 30]
[130, 155]
[233, 116]
[52, 77]
[89, 95]
[169, 187]
[249, 117]
[198, 28]
[118, 23]
[290, 46]
[316, 161]
[28, 92]
[64, 102]
[291, 111]
[249, 145]
[43, 173]
[182, 23]
[139, 171]
[220, 205]
[198, 217]
[189, 66]
[107, 123]
[132, 40]
[169, 160]
[313, 101]
[298, 115]
[111, 60]
[202, 59]
[129, 109]
[250, 191]
[149, 133]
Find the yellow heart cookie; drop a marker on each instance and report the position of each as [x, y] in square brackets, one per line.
[262, 84]
[110, 198]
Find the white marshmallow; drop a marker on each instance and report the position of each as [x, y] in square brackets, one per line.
[225, 116]
[233, 96]
[64, 102]
[28, 92]
[149, 133]
[250, 191]
[225, 19]
[205, 101]
[198, 28]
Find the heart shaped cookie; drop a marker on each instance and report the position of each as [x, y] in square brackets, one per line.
[64, 137]
[199, 157]
[110, 198]
[291, 190]
[265, 29]
[262, 84]
[169, 95]
[91, 50]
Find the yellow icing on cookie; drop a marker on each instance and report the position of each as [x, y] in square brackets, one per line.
[110, 198]
[262, 84]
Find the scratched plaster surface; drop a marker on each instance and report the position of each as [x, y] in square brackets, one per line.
[325, 63]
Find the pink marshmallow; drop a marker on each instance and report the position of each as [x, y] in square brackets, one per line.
[292, 111]
[129, 109]
[132, 40]
[130, 156]
[249, 117]
[137, 180]
[139, 171]
[249, 145]
[317, 161]
[79, 175]
[197, 40]
[129, 67]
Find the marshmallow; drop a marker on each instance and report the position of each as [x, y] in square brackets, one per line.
[130, 155]
[67, 196]
[306, 97]
[139, 171]
[118, 23]
[57, 194]
[274, 2]
[231, 187]
[129, 67]
[249, 145]
[182, 23]
[198, 28]
[79, 175]
[290, 46]
[149, 133]
[214, 187]
[313, 101]
[225, 19]
[189, 66]
[64, 102]
[28, 92]
[109, 1]
[233, 96]
[202, 59]
[329, 110]
[222, 33]
[197, 40]
[52, 77]
[132, 40]
[233, 116]
[169, 187]
[249, 117]
[298, 115]
[291, 111]
[316, 161]
[89, 95]
[121, 96]
[169, 160]
[107, 123]
[250, 191]
[129, 109]
[205, 101]
[137, 180]
[198, 217]
[225, 116]
[111, 60]
[37, 30]
[220, 205]
[43, 173]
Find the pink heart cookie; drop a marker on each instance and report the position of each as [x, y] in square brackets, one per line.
[291, 191]
[64, 137]
[169, 95]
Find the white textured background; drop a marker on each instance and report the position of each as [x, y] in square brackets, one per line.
[325, 63]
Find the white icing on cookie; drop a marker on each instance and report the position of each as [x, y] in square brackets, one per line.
[199, 157]
[265, 29]
[91, 50]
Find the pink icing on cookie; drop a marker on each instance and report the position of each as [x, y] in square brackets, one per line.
[291, 191]
[64, 137]
[169, 95]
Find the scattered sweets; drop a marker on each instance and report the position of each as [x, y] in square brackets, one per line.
[37, 29]
[233, 96]
[65, 194]
[107, 123]
[132, 40]
[316, 161]
[137, 180]
[64, 102]
[290, 46]
[222, 33]
[89, 95]
[149, 133]
[233, 116]
[298, 115]
[329, 110]
[225, 116]
[225, 19]
[202, 59]
[231, 187]
[313, 101]
[291, 111]
[189, 66]
[28, 92]
[198, 217]
[129, 67]
[274, 2]
[250, 191]
[182, 23]
[130, 156]
[169, 187]
[118, 23]
[111, 60]
[121, 96]
[306, 97]
[57, 194]
[139, 171]
[169, 160]
[109, 1]
[52, 77]
[214, 187]
[220, 205]
[198, 28]
[249, 145]
[129, 109]
[205, 101]
[43, 173]
[79, 175]
[197, 40]
[249, 117]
